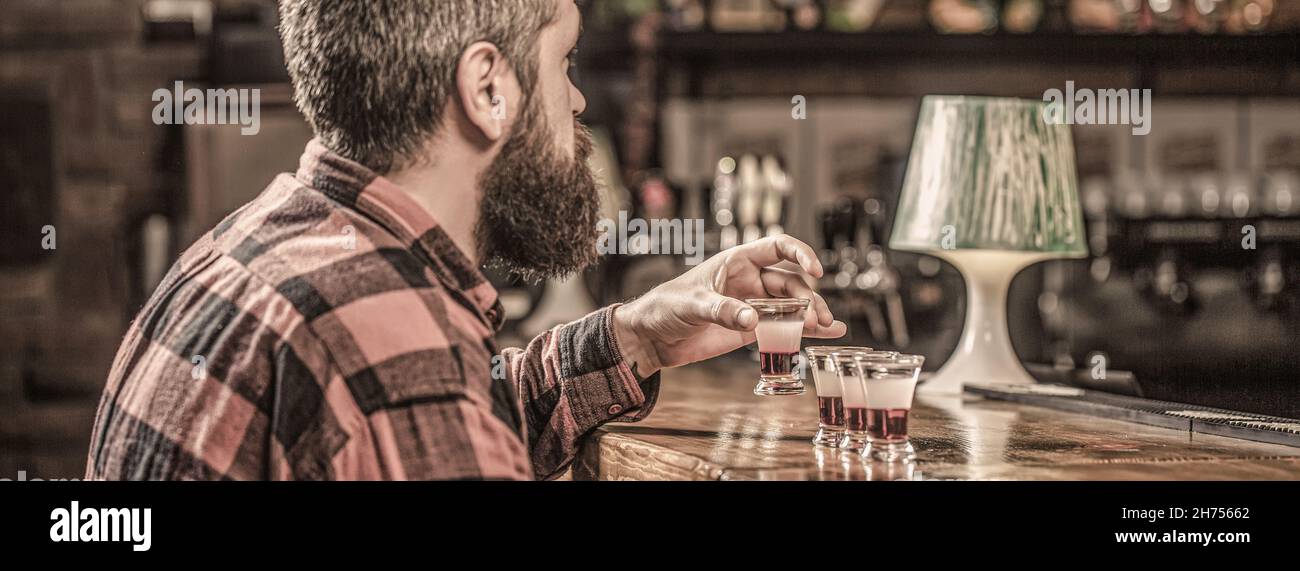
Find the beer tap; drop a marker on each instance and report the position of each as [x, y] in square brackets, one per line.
[1274, 282]
[1168, 286]
[878, 277]
[776, 187]
[723, 204]
[847, 220]
[827, 253]
[853, 232]
[750, 193]
[1096, 207]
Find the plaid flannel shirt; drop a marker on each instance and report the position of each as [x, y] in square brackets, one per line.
[329, 329]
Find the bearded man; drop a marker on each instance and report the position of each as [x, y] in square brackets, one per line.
[338, 326]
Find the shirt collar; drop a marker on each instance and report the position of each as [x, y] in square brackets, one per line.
[379, 199]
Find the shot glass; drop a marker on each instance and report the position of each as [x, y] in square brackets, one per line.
[890, 383]
[780, 330]
[855, 396]
[830, 394]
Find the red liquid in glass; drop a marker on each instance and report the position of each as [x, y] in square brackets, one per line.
[887, 424]
[855, 419]
[776, 364]
[832, 411]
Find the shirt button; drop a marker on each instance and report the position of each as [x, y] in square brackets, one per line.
[615, 408]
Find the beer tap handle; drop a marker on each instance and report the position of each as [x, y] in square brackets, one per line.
[828, 228]
[875, 318]
[828, 255]
[847, 220]
[1171, 287]
[873, 223]
[897, 320]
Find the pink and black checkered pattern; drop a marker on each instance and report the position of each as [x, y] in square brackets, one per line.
[329, 329]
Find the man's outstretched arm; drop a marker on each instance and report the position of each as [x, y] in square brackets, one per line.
[605, 366]
[574, 378]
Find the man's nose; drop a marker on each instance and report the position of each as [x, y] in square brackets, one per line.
[579, 102]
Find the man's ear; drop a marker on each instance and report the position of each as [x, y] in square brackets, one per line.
[487, 89]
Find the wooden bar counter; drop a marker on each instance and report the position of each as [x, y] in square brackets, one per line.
[708, 425]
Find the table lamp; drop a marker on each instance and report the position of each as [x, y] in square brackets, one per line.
[991, 189]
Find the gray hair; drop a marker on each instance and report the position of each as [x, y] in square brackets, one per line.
[372, 77]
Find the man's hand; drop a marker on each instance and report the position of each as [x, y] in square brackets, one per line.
[700, 314]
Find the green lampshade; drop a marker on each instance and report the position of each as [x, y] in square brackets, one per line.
[989, 173]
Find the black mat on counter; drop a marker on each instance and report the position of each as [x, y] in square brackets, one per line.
[1194, 418]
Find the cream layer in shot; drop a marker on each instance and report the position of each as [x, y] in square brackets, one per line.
[781, 336]
[826, 382]
[890, 393]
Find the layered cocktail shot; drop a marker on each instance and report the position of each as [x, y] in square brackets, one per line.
[780, 330]
[890, 383]
[854, 387]
[830, 394]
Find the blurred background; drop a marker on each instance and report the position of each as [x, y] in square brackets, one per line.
[757, 116]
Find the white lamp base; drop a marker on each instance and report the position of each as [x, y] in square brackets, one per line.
[984, 354]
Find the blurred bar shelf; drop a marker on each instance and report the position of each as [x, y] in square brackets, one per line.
[699, 63]
[1281, 48]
